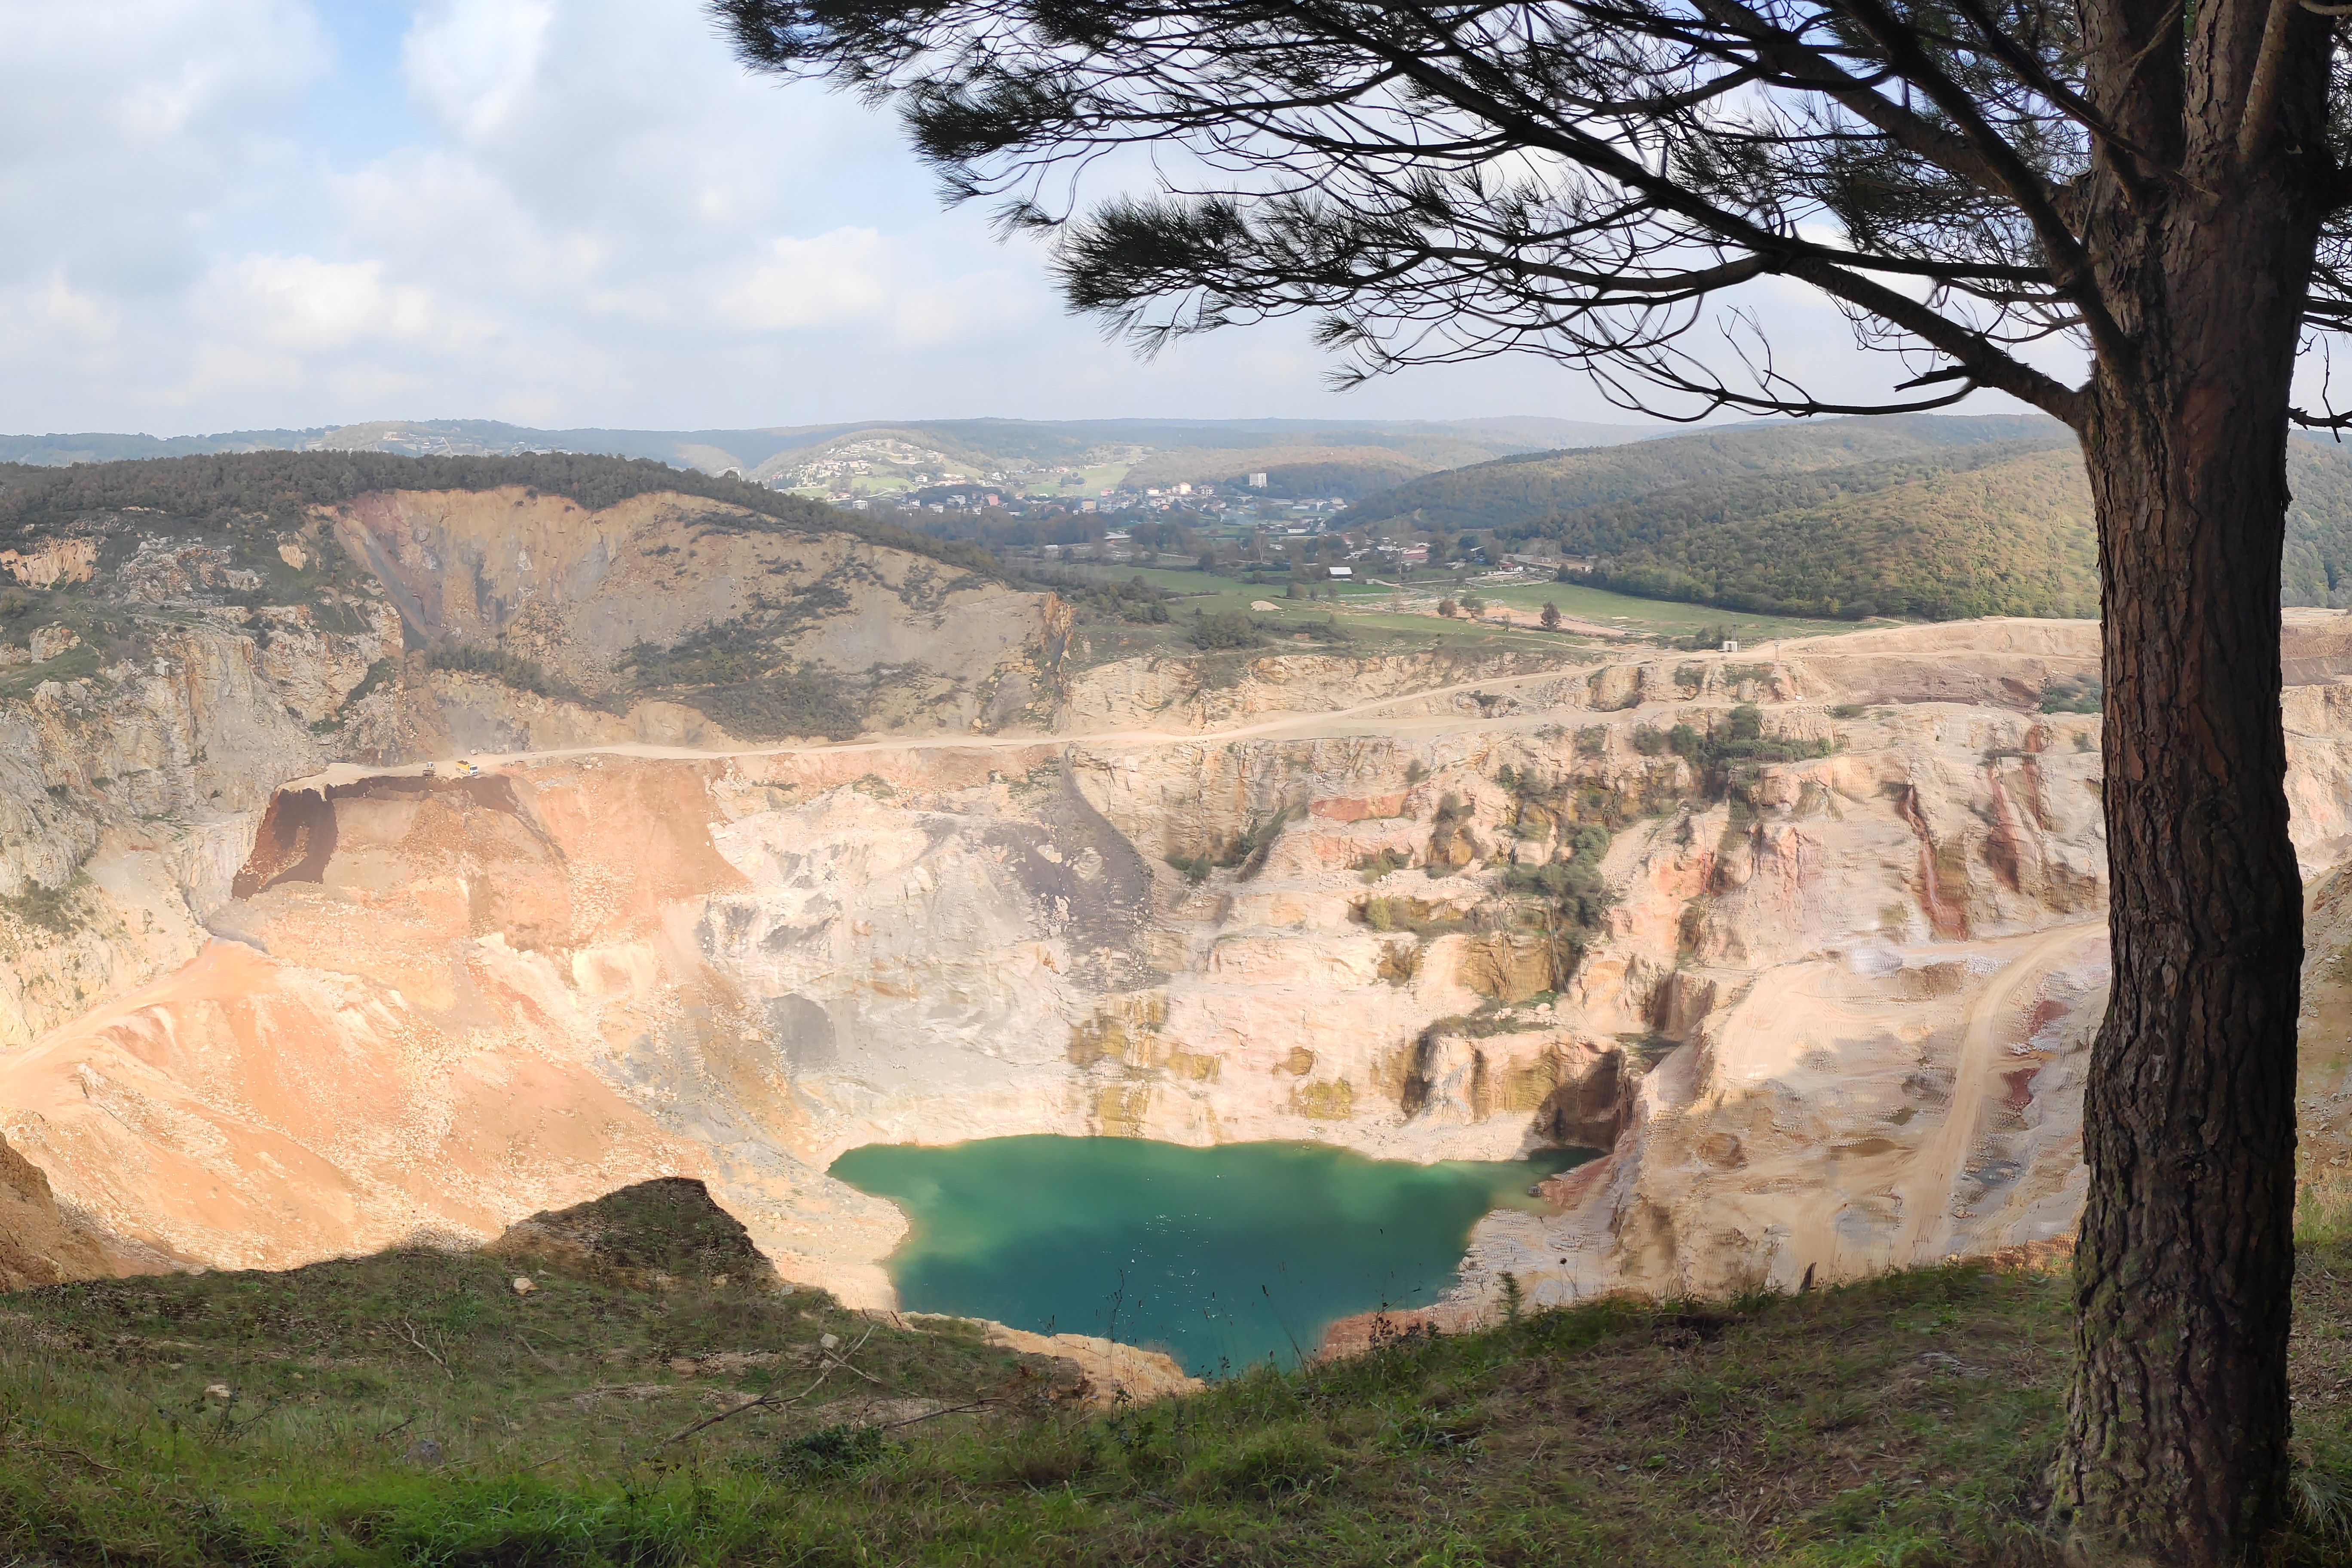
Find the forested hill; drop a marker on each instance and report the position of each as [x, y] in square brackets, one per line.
[1918, 517]
[2001, 529]
[1519, 489]
[227, 489]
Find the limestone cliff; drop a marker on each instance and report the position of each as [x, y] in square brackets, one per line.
[155, 692]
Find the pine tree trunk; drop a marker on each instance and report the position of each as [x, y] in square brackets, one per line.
[2177, 1420]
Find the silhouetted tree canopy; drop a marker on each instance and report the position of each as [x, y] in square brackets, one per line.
[2157, 188]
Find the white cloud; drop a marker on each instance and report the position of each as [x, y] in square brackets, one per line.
[130, 130]
[835, 279]
[977, 309]
[471, 61]
[90, 315]
[302, 303]
[554, 211]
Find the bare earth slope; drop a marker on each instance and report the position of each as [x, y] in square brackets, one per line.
[1830, 1018]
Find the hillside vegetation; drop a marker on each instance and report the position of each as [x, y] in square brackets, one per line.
[413, 1409]
[273, 488]
[1538, 485]
[602, 583]
[1992, 531]
[1925, 517]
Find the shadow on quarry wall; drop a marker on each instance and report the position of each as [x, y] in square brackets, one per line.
[1092, 888]
[297, 835]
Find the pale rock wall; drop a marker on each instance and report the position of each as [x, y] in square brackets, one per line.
[127, 800]
[1190, 694]
[1865, 982]
[774, 957]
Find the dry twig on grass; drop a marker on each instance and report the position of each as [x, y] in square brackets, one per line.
[551, 1366]
[410, 1330]
[61, 1451]
[769, 1401]
[935, 1414]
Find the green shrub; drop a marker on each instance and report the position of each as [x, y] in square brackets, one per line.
[58, 911]
[1225, 629]
[1134, 601]
[2073, 694]
[523, 674]
[830, 1451]
[1573, 884]
[1726, 756]
[802, 700]
[1196, 867]
[378, 673]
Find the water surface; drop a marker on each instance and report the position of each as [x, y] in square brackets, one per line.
[1224, 1256]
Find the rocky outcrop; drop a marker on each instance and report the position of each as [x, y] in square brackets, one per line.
[734, 968]
[1114, 1374]
[647, 1235]
[128, 796]
[1846, 1116]
[132, 774]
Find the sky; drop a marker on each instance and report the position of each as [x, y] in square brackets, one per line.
[241, 214]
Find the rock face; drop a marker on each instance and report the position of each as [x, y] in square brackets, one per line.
[543, 578]
[136, 762]
[1116, 1374]
[1809, 940]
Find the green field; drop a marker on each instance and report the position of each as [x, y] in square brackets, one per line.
[1368, 615]
[1090, 481]
[1663, 616]
[1370, 628]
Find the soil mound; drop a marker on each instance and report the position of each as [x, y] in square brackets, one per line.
[654, 1233]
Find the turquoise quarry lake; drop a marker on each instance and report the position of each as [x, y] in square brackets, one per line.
[1223, 1256]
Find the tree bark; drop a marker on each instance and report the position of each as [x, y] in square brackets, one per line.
[2177, 1420]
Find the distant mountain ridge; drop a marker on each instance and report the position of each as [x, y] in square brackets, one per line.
[762, 453]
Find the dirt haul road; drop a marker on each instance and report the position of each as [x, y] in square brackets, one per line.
[1992, 1025]
[1328, 725]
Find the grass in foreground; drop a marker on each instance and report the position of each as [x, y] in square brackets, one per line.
[1907, 1421]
